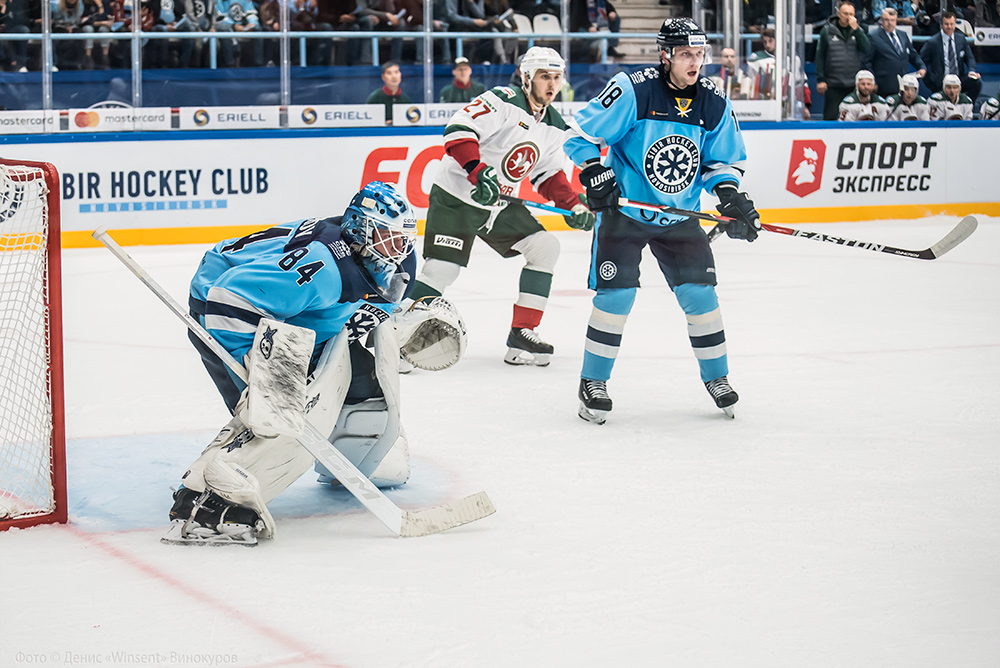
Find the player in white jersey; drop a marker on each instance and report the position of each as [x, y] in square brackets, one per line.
[294, 302]
[990, 111]
[950, 103]
[907, 104]
[502, 137]
[864, 104]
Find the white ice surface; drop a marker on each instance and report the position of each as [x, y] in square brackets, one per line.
[848, 517]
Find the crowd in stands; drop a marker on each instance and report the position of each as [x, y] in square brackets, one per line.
[858, 46]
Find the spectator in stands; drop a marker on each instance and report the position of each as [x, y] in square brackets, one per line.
[907, 104]
[892, 55]
[990, 111]
[14, 20]
[384, 17]
[414, 20]
[475, 16]
[948, 52]
[760, 66]
[863, 104]
[987, 13]
[839, 54]
[67, 17]
[463, 88]
[344, 15]
[532, 8]
[193, 17]
[390, 93]
[96, 19]
[727, 78]
[305, 18]
[238, 16]
[905, 15]
[950, 104]
[593, 16]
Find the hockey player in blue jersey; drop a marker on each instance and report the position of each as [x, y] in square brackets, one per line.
[338, 279]
[670, 135]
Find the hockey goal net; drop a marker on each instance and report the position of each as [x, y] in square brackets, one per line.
[32, 439]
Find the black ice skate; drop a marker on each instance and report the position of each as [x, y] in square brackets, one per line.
[206, 519]
[595, 404]
[524, 347]
[724, 395]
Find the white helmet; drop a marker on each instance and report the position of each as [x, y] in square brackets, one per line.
[539, 58]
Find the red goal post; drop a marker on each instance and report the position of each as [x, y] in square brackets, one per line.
[32, 427]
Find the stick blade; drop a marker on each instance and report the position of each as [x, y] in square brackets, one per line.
[447, 516]
[962, 231]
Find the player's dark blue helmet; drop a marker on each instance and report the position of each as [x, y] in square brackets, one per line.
[680, 32]
[380, 226]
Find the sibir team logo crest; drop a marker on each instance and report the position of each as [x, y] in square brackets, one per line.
[364, 320]
[672, 163]
[519, 160]
[805, 166]
[267, 342]
[608, 270]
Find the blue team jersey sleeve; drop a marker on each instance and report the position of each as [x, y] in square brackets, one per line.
[273, 287]
[605, 120]
[724, 153]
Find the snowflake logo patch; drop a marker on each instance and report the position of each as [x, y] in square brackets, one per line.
[608, 270]
[672, 163]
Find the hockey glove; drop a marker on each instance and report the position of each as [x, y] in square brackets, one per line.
[582, 218]
[602, 186]
[736, 205]
[487, 190]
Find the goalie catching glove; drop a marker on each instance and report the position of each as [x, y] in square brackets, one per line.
[431, 334]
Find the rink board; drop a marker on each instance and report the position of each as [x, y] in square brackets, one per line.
[199, 187]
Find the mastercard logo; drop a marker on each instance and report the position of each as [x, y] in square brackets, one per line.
[87, 119]
[308, 115]
[413, 114]
[201, 117]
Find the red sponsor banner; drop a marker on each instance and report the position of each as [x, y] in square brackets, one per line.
[805, 166]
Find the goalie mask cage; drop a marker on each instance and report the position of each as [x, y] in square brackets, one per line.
[32, 436]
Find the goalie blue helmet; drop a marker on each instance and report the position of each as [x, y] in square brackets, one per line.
[380, 226]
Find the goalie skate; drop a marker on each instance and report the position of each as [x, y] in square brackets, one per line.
[524, 347]
[724, 395]
[189, 532]
[203, 518]
[595, 404]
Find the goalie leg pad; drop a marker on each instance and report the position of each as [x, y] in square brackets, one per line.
[248, 470]
[360, 430]
[277, 366]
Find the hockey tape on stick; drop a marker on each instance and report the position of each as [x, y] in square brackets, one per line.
[406, 523]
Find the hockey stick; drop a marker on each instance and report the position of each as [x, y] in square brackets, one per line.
[406, 523]
[958, 234]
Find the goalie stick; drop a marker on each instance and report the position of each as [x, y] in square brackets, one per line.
[958, 234]
[406, 523]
